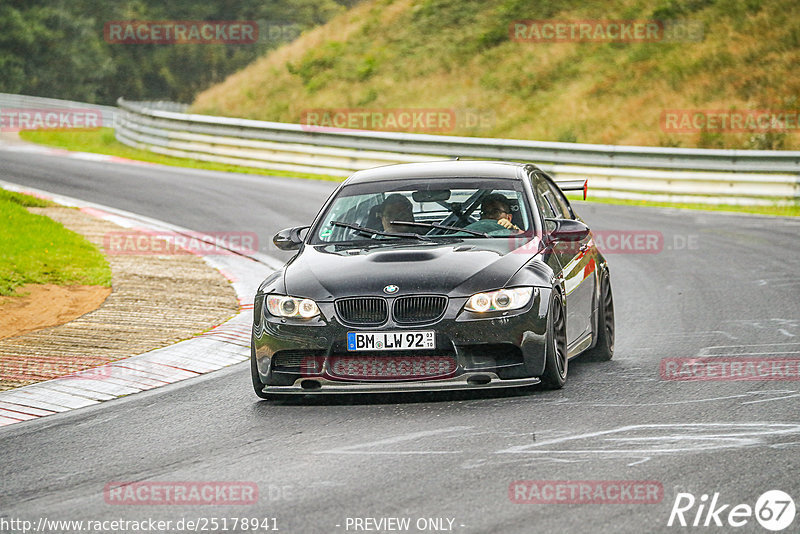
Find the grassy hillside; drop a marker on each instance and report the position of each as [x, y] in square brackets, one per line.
[457, 54]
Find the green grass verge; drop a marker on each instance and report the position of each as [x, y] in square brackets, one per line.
[102, 141]
[27, 201]
[38, 250]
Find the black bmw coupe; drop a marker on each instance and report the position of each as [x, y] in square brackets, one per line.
[433, 276]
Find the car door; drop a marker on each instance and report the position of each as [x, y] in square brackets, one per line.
[574, 257]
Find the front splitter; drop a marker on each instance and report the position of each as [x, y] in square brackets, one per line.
[315, 386]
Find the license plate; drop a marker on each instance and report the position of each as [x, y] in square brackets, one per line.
[390, 340]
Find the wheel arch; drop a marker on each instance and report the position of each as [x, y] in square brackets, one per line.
[601, 271]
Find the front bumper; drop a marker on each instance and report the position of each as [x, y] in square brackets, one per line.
[500, 351]
[467, 380]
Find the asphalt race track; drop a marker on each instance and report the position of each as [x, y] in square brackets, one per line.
[717, 285]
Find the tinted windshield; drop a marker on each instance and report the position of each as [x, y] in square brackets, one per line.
[467, 208]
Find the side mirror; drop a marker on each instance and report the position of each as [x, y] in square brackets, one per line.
[289, 238]
[566, 230]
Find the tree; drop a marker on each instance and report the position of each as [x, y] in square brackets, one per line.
[56, 48]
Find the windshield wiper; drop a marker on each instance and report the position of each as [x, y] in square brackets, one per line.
[445, 227]
[372, 231]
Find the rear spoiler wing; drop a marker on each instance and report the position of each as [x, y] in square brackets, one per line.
[573, 185]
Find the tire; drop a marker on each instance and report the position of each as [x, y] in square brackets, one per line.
[556, 361]
[603, 350]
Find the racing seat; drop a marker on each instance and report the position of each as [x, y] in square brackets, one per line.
[516, 215]
[373, 218]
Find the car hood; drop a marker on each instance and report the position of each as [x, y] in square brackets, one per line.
[456, 269]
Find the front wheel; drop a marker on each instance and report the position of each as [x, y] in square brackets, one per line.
[556, 361]
[604, 348]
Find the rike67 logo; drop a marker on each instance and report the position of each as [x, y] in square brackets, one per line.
[774, 510]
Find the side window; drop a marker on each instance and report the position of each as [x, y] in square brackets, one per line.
[560, 203]
[541, 192]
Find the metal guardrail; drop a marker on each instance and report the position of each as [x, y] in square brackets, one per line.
[654, 173]
[600, 155]
[11, 101]
[648, 173]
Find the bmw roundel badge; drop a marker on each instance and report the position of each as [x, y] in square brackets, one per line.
[391, 289]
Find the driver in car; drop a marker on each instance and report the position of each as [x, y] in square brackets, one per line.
[495, 217]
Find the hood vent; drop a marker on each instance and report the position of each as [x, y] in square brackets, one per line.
[402, 256]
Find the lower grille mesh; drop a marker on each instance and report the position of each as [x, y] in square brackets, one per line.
[392, 368]
[296, 359]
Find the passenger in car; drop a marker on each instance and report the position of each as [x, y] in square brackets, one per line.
[397, 207]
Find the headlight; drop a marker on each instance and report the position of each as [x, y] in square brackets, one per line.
[283, 306]
[500, 300]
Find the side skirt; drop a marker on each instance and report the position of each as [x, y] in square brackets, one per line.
[579, 346]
